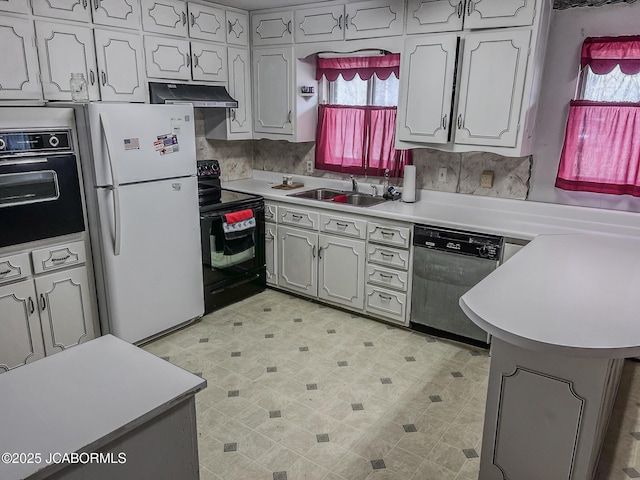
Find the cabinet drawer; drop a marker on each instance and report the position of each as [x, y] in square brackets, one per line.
[388, 278]
[392, 235]
[60, 256]
[343, 226]
[298, 218]
[386, 303]
[390, 257]
[270, 212]
[14, 267]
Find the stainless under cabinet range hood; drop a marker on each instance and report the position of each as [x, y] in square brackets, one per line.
[198, 95]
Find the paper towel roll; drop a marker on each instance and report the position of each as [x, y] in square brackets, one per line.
[409, 184]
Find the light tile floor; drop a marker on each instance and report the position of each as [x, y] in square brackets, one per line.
[301, 391]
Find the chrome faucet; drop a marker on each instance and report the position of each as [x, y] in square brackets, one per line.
[354, 185]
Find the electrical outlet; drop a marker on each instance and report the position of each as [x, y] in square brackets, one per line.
[486, 179]
[309, 166]
[442, 174]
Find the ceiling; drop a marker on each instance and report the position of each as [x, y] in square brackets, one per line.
[261, 4]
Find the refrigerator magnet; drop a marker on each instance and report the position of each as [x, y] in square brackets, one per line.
[167, 144]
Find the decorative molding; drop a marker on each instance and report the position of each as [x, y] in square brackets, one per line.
[167, 7]
[328, 14]
[358, 281]
[108, 14]
[24, 60]
[68, 258]
[268, 23]
[25, 307]
[418, 16]
[513, 15]
[201, 13]
[167, 47]
[393, 18]
[78, 286]
[232, 28]
[9, 270]
[135, 55]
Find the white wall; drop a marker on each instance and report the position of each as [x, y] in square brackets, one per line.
[568, 30]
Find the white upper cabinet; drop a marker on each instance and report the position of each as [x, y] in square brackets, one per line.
[237, 28]
[20, 81]
[273, 76]
[492, 80]
[240, 89]
[272, 28]
[117, 13]
[207, 23]
[167, 58]
[63, 50]
[79, 10]
[209, 62]
[17, 6]
[430, 16]
[426, 92]
[319, 24]
[375, 18]
[120, 65]
[165, 16]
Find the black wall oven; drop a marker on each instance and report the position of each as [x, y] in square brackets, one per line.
[39, 186]
[232, 234]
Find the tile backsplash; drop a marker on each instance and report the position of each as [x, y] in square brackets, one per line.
[463, 170]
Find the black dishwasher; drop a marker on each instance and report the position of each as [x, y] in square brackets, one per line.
[446, 264]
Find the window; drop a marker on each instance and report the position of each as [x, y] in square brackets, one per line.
[356, 129]
[601, 151]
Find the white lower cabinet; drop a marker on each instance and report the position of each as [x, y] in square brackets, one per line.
[341, 263]
[19, 76]
[271, 252]
[298, 266]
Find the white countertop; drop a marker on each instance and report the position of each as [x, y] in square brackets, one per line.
[579, 297]
[84, 397]
[511, 218]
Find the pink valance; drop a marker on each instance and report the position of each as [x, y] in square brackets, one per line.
[383, 66]
[602, 54]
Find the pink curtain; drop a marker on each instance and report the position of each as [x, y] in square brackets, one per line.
[358, 140]
[601, 151]
[383, 66]
[602, 54]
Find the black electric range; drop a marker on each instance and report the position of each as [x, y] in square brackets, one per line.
[233, 262]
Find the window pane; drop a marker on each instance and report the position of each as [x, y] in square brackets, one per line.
[385, 92]
[353, 92]
[611, 87]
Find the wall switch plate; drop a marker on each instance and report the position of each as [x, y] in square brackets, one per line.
[309, 166]
[486, 179]
[442, 174]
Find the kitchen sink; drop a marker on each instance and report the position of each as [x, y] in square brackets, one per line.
[337, 196]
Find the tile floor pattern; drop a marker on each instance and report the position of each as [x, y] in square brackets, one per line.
[301, 391]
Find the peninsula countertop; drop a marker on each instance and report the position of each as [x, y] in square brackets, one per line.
[578, 297]
[511, 218]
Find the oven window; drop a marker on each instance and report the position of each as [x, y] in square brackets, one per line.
[28, 187]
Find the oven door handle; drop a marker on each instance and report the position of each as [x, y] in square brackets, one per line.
[106, 133]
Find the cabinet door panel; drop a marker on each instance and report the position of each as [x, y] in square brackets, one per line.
[119, 58]
[426, 92]
[271, 255]
[240, 89]
[17, 38]
[63, 50]
[341, 272]
[319, 24]
[272, 28]
[206, 23]
[209, 62]
[237, 28]
[297, 263]
[499, 13]
[165, 16]
[66, 9]
[117, 13]
[273, 86]
[65, 309]
[491, 87]
[17, 6]
[428, 16]
[167, 58]
[376, 18]
[20, 334]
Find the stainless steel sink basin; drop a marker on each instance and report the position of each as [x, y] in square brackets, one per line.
[337, 196]
[318, 194]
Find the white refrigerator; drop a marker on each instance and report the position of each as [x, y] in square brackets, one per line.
[139, 168]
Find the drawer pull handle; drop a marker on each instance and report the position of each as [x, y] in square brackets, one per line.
[342, 225]
[297, 218]
[459, 121]
[444, 121]
[346, 22]
[43, 302]
[104, 77]
[386, 255]
[32, 307]
[469, 8]
[319, 252]
[193, 19]
[386, 298]
[289, 27]
[230, 26]
[61, 259]
[340, 22]
[4, 272]
[386, 277]
[98, 4]
[184, 19]
[314, 252]
[460, 9]
[233, 117]
[92, 77]
[387, 234]
[84, 4]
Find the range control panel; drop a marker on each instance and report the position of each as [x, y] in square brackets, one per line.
[14, 143]
[208, 168]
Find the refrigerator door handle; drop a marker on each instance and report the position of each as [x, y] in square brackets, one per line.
[114, 188]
